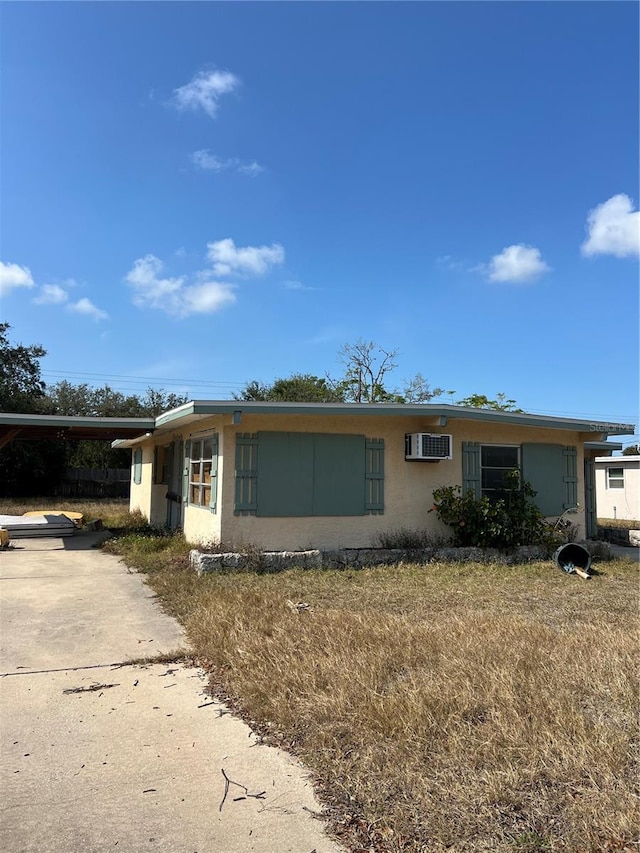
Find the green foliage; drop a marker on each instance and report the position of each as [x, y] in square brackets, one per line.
[297, 388]
[511, 519]
[21, 385]
[480, 401]
[84, 400]
[632, 450]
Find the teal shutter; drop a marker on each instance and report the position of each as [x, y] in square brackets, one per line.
[246, 474]
[286, 474]
[374, 476]
[155, 465]
[471, 468]
[213, 500]
[339, 464]
[590, 499]
[570, 478]
[137, 466]
[186, 464]
[544, 467]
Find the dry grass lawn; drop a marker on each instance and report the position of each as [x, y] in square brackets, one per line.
[440, 707]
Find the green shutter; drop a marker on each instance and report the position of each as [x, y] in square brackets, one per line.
[246, 474]
[339, 464]
[285, 487]
[213, 500]
[471, 468]
[185, 455]
[570, 478]
[544, 467]
[374, 476]
[591, 521]
[137, 466]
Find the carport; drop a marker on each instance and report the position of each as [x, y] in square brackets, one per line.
[34, 427]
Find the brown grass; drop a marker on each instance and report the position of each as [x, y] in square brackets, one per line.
[441, 707]
[112, 512]
[623, 523]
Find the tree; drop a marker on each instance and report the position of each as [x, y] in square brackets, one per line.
[26, 467]
[481, 401]
[632, 450]
[83, 400]
[297, 388]
[21, 385]
[365, 381]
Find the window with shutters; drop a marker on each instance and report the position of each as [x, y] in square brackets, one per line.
[203, 464]
[496, 461]
[615, 478]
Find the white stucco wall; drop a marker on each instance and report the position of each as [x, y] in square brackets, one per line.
[408, 485]
[618, 503]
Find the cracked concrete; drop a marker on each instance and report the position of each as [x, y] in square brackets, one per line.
[101, 756]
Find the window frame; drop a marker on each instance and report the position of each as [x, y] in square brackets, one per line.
[491, 492]
[207, 496]
[618, 479]
[137, 466]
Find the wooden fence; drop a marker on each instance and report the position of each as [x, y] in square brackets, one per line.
[95, 483]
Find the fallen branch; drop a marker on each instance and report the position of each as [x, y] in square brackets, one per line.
[228, 782]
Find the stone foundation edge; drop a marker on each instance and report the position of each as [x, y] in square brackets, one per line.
[277, 561]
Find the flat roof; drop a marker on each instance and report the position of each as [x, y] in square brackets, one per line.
[196, 410]
[218, 407]
[15, 426]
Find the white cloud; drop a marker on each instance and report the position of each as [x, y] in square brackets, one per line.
[252, 169]
[517, 264]
[207, 297]
[171, 295]
[228, 259]
[12, 276]
[613, 228]
[204, 91]
[85, 306]
[51, 294]
[149, 289]
[209, 162]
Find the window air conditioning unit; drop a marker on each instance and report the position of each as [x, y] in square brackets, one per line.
[427, 446]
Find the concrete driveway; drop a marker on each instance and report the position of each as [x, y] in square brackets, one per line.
[101, 754]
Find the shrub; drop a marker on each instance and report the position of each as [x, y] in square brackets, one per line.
[407, 539]
[509, 520]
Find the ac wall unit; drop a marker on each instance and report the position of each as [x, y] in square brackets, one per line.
[428, 446]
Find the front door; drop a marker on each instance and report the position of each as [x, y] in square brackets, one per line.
[174, 485]
[590, 513]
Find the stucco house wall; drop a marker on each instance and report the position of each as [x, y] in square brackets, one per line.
[612, 499]
[408, 485]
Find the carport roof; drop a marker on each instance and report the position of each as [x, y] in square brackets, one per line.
[21, 426]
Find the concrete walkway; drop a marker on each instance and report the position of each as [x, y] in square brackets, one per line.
[99, 756]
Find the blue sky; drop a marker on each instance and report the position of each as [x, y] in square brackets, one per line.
[195, 195]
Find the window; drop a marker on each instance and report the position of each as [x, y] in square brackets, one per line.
[495, 462]
[615, 478]
[551, 469]
[203, 468]
[137, 466]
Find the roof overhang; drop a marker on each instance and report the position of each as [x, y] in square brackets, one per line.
[197, 410]
[603, 445]
[37, 427]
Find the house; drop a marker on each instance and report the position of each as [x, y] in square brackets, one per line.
[618, 487]
[289, 476]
